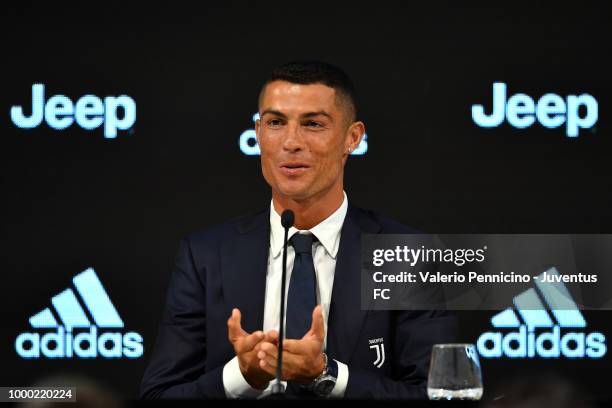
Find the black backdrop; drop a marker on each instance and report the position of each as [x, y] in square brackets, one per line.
[73, 199]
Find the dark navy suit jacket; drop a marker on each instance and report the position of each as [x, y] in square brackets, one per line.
[225, 267]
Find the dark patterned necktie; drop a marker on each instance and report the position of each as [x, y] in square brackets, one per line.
[302, 296]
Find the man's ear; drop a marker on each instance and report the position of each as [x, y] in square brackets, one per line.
[354, 134]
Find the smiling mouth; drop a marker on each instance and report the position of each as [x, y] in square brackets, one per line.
[293, 168]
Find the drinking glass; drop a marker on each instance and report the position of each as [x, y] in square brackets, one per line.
[454, 373]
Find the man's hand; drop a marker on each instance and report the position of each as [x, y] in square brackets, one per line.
[302, 359]
[246, 347]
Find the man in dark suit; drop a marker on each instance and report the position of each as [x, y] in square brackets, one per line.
[226, 282]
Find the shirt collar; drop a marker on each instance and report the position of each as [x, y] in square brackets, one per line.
[327, 231]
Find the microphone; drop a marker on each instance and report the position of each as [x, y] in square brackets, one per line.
[287, 220]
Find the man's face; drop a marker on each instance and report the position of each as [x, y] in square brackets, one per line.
[304, 136]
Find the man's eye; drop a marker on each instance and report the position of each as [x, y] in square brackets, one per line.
[313, 124]
[274, 122]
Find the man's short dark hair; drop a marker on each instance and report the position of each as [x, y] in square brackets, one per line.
[317, 72]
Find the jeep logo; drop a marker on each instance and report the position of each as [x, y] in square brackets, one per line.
[551, 111]
[89, 112]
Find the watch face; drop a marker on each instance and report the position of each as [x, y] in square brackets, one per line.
[325, 386]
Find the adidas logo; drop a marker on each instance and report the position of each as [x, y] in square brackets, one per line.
[65, 342]
[539, 336]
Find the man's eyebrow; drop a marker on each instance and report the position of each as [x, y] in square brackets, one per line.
[273, 112]
[317, 113]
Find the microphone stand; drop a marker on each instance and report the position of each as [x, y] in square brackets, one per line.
[287, 219]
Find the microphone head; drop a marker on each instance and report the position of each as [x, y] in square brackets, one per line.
[287, 219]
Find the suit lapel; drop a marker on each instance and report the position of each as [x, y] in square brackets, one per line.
[345, 315]
[244, 263]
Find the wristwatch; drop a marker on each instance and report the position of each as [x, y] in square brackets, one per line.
[325, 382]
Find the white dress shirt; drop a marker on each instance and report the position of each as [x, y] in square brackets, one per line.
[324, 253]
